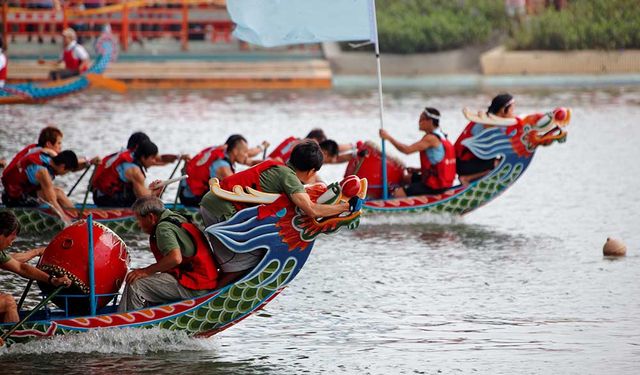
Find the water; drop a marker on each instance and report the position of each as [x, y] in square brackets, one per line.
[519, 286]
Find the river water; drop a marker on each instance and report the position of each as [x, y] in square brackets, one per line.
[519, 286]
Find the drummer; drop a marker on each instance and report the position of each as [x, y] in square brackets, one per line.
[16, 263]
[437, 157]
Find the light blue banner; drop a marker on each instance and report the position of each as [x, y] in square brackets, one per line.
[272, 23]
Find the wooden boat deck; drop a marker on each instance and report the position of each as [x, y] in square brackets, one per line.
[288, 74]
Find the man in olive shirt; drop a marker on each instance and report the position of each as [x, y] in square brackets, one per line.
[306, 159]
[184, 265]
[16, 262]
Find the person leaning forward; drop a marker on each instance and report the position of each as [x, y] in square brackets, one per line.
[184, 265]
[269, 177]
[16, 263]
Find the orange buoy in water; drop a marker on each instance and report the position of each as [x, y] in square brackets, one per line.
[67, 254]
[614, 247]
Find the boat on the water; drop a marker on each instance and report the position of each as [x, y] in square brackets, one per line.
[276, 226]
[39, 92]
[513, 144]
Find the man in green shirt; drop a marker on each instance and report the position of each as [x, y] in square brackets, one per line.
[306, 159]
[184, 265]
[16, 263]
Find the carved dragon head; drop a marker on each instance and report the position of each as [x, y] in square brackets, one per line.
[279, 222]
[504, 136]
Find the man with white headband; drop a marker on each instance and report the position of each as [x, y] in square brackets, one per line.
[469, 166]
[437, 158]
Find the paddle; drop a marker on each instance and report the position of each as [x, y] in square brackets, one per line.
[171, 175]
[35, 309]
[86, 194]
[80, 179]
[24, 294]
[164, 183]
[58, 212]
[99, 80]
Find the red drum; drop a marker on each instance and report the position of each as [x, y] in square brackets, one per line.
[67, 254]
[369, 166]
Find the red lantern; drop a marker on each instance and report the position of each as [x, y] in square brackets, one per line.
[67, 254]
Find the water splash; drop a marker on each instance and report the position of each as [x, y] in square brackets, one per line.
[409, 219]
[114, 341]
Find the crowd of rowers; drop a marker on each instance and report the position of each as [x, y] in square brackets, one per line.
[119, 180]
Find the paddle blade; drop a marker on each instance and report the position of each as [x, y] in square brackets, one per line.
[98, 80]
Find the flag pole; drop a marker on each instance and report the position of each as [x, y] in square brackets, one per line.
[385, 190]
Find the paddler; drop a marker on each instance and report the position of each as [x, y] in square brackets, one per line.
[270, 176]
[469, 166]
[30, 181]
[437, 157]
[184, 266]
[16, 263]
[49, 139]
[74, 56]
[120, 178]
[215, 161]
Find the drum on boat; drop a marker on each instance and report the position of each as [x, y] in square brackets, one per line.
[369, 166]
[68, 254]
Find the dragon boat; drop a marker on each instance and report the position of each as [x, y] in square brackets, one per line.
[39, 92]
[275, 225]
[512, 142]
[43, 219]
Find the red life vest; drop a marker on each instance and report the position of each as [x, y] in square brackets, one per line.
[106, 178]
[3, 70]
[198, 169]
[462, 152]
[442, 174]
[22, 153]
[15, 180]
[249, 177]
[70, 61]
[197, 272]
[283, 151]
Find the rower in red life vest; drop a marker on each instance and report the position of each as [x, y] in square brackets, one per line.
[3, 65]
[270, 176]
[437, 157]
[120, 178]
[215, 161]
[283, 151]
[184, 266]
[469, 166]
[32, 177]
[74, 56]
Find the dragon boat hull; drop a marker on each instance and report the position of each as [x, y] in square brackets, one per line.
[513, 145]
[276, 226]
[121, 220]
[40, 92]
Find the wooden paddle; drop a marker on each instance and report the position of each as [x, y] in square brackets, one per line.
[99, 80]
[80, 179]
[35, 309]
